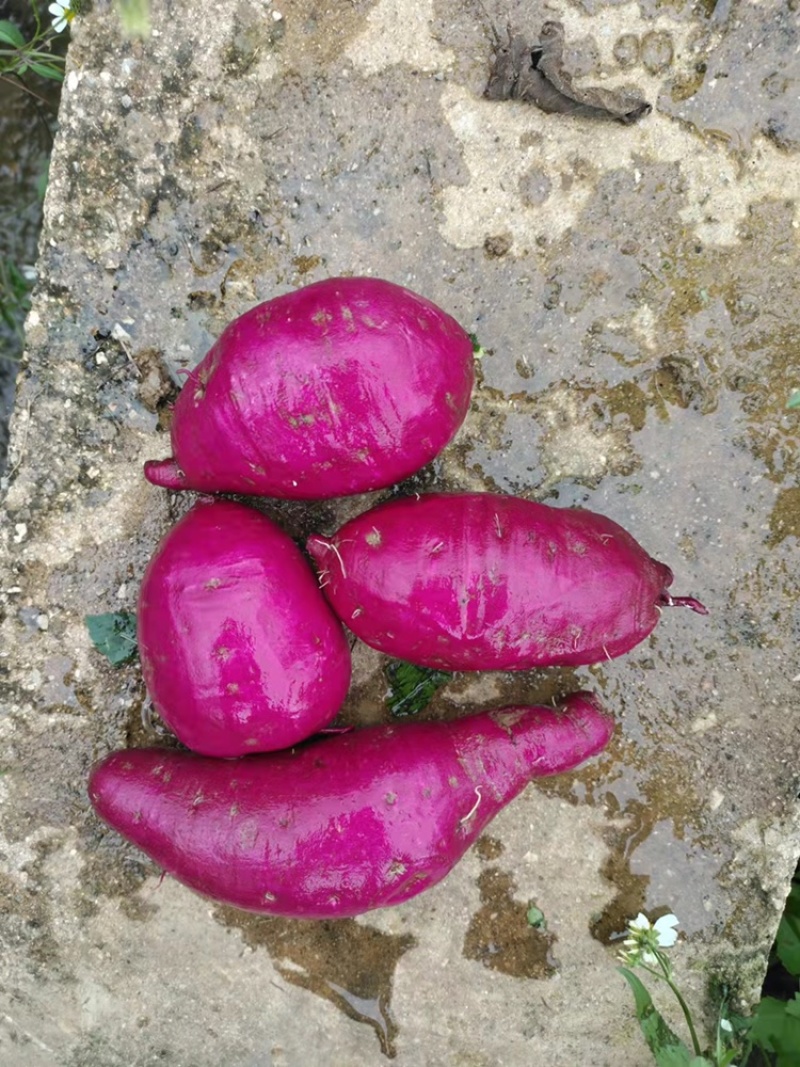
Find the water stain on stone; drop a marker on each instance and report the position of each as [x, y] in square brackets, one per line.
[500, 936]
[112, 868]
[306, 264]
[784, 519]
[684, 88]
[489, 848]
[630, 895]
[657, 51]
[314, 35]
[251, 36]
[27, 917]
[144, 726]
[737, 100]
[650, 810]
[342, 961]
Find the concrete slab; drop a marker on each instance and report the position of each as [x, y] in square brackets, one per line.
[633, 288]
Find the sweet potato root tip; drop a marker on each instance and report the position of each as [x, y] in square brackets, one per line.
[683, 602]
[165, 473]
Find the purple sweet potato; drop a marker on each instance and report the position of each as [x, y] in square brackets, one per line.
[481, 581]
[344, 386]
[240, 652]
[345, 823]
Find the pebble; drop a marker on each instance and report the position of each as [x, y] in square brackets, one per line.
[657, 51]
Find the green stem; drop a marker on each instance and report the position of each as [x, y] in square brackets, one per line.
[651, 970]
[44, 55]
[684, 1006]
[30, 49]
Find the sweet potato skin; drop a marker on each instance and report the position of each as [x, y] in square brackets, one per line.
[345, 823]
[344, 386]
[483, 581]
[239, 650]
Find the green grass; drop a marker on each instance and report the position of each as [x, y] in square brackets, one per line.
[15, 291]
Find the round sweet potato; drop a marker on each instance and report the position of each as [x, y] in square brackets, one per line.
[345, 386]
[240, 652]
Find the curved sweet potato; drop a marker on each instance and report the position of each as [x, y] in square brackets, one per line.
[345, 823]
[344, 386]
[482, 581]
[240, 652]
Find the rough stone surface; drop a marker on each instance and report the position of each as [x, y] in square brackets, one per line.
[634, 291]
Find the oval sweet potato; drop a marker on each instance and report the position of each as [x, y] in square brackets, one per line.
[344, 386]
[240, 652]
[482, 581]
[345, 823]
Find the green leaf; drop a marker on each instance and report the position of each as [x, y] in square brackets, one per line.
[535, 917]
[411, 687]
[787, 941]
[776, 1028]
[477, 348]
[794, 399]
[667, 1048]
[741, 1023]
[10, 34]
[42, 178]
[113, 634]
[44, 70]
[14, 299]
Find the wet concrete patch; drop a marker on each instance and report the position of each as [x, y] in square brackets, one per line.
[747, 82]
[346, 962]
[784, 521]
[500, 935]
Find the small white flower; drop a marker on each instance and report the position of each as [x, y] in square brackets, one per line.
[62, 13]
[665, 929]
[646, 937]
[724, 1024]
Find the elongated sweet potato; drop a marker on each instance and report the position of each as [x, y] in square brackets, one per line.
[481, 581]
[239, 650]
[345, 823]
[347, 385]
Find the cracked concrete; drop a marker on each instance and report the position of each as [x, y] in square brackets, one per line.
[633, 291]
